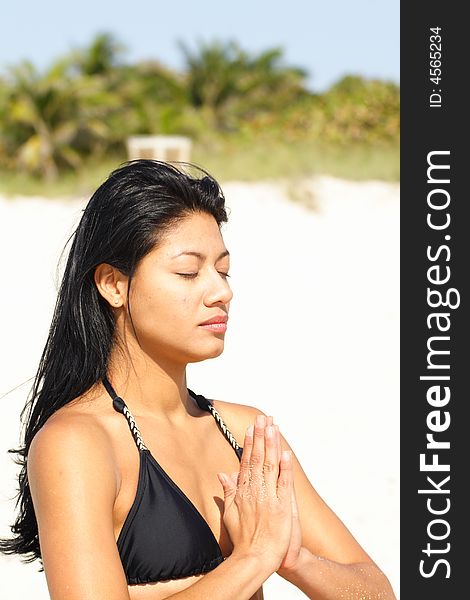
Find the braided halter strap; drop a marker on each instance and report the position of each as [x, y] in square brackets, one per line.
[225, 429]
[202, 402]
[120, 406]
[206, 404]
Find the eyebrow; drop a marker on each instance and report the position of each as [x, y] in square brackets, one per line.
[199, 255]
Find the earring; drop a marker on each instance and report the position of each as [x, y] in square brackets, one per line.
[116, 302]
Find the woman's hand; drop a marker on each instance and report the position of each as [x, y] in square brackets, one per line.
[289, 562]
[258, 505]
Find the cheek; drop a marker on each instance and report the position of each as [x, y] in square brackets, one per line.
[164, 307]
[184, 308]
[163, 302]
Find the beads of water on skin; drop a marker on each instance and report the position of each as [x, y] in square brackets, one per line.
[351, 594]
[351, 591]
[255, 481]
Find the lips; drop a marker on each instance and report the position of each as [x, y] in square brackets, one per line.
[213, 320]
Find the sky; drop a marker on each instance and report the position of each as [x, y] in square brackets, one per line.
[328, 39]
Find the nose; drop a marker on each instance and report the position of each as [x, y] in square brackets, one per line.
[218, 291]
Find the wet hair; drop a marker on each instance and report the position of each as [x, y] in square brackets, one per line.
[126, 218]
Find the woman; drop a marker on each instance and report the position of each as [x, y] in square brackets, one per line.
[123, 468]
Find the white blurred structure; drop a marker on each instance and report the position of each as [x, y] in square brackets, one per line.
[159, 147]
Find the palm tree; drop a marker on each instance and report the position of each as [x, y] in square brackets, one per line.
[153, 99]
[101, 57]
[86, 103]
[230, 85]
[49, 118]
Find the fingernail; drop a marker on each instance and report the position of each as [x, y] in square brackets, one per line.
[286, 455]
[260, 420]
[269, 431]
[249, 431]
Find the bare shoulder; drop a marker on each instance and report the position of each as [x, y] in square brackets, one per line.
[73, 482]
[68, 427]
[73, 440]
[237, 417]
[241, 411]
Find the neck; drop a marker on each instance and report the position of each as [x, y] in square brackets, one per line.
[151, 388]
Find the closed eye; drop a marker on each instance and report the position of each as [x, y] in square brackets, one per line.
[193, 275]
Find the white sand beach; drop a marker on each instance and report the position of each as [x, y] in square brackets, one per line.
[313, 340]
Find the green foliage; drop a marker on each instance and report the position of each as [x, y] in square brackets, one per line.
[51, 122]
[81, 110]
[101, 56]
[232, 87]
[357, 110]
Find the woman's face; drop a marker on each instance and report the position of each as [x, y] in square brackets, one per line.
[173, 292]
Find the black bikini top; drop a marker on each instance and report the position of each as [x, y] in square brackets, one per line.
[164, 535]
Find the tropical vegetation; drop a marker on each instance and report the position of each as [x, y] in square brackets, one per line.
[250, 110]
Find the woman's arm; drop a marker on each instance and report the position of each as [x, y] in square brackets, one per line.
[324, 579]
[237, 578]
[330, 562]
[73, 482]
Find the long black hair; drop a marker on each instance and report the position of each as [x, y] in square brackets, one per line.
[125, 219]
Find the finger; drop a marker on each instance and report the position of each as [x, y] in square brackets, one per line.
[225, 480]
[234, 477]
[230, 478]
[257, 452]
[269, 421]
[271, 461]
[295, 509]
[244, 477]
[276, 429]
[278, 442]
[285, 480]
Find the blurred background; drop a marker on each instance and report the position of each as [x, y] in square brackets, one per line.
[295, 110]
[263, 90]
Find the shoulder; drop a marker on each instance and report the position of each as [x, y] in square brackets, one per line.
[72, 476]
[71, 444]
[237, 417]
[239, 411]
[68, 429]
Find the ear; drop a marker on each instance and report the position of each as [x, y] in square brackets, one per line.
[111, 284]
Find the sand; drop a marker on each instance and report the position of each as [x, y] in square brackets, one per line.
[313, 340]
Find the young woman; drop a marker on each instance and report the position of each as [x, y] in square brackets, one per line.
[132, 485]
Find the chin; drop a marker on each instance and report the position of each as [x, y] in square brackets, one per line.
[208, 352]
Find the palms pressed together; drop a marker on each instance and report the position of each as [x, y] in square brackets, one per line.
[289, 562]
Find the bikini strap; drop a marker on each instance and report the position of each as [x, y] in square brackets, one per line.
[203, 403]
[120, 406]
[206, 404]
